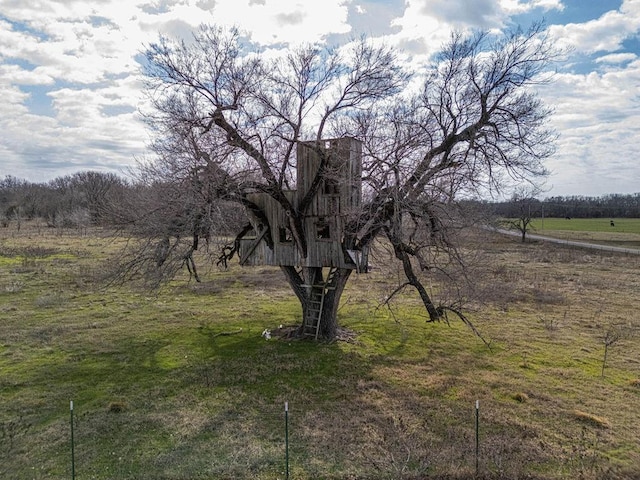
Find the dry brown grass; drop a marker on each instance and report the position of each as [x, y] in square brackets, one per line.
[590, 419]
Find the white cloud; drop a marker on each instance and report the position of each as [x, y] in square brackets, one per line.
[603, 34]
[479, 13]
[598, 118]
[84, 51]
[79, 56]
[427, 24]
[286, 21]
[14, 74]
[12, 99]
[421, 34]
[519, 6]
[268, 22]
[616, 58]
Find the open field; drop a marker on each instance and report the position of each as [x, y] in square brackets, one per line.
[624, 233]
[180, 384]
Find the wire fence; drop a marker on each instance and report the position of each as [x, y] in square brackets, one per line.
[307, 441]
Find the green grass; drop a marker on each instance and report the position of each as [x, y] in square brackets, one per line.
[624, 233]
[622, 225]
[180, 384]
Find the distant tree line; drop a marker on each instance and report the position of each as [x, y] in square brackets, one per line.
[91, 198]
[77, 200]
[575, 206]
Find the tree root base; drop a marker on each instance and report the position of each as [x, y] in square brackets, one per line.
[294, 332]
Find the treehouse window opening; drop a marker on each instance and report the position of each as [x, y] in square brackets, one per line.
[323, 229]
[331, 186]
[254, 232]
[285, 235]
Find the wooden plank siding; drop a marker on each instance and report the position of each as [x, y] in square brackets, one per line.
[342, 189]
[324, 221]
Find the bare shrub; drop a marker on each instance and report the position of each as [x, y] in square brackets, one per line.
[49, 301]
[551, 323]
[544, 296]
[611, 336]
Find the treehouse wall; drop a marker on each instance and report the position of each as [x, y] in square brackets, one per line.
[341, 190]
[254, 250]
[337, 197]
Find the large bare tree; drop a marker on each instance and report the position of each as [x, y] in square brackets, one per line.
[239, 120]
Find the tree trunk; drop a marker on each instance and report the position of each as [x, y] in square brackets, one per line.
[319, 292]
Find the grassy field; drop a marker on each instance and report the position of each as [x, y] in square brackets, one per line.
[624, 233]
[180, 383]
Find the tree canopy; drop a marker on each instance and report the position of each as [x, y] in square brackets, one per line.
[228, 121]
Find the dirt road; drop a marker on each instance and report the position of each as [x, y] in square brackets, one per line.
[593, 246]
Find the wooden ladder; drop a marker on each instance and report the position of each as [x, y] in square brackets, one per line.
[316, 306]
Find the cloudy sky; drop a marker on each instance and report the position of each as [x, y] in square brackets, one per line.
[70, 86]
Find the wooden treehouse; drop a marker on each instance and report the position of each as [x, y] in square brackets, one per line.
[336, 201]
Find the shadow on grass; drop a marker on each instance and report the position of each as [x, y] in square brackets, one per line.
[209, 403]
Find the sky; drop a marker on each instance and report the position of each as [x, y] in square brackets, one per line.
[70, 84]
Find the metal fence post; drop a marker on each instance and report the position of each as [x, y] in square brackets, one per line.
[477, 436]
[73, 460]
[286, 438]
